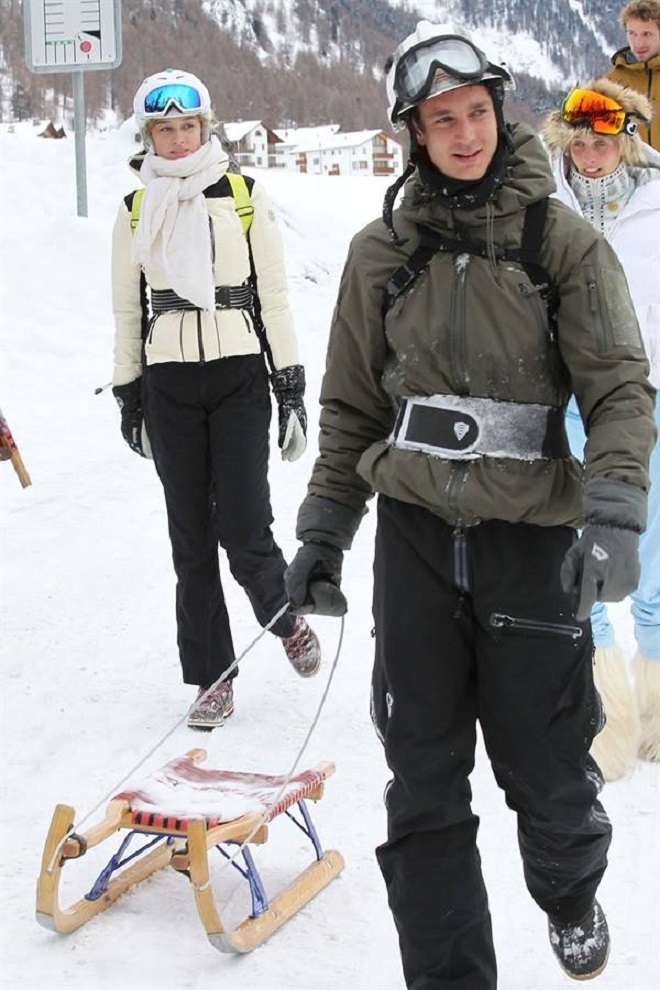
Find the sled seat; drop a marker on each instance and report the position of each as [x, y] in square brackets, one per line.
[181, 811]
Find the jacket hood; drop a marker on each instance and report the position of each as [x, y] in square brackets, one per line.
[528, 178]
[558, 134]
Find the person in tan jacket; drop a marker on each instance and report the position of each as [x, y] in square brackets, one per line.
[637, 65]
[197, 299]
[464, 321]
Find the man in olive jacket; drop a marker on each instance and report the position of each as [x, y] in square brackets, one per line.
[445, 393]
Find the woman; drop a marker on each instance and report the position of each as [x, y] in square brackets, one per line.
[210, 259]
[606, 173]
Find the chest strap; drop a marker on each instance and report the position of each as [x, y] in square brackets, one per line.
[226, 297]
[457, 427]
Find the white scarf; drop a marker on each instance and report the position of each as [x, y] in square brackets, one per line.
[174, 232]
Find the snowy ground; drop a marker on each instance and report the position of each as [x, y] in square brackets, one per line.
[90, 676]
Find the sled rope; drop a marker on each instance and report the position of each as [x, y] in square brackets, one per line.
[110, 793]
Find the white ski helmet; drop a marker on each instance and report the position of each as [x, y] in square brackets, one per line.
[434, 59]
[172, 92]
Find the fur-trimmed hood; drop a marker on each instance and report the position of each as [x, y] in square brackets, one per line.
[558, 134]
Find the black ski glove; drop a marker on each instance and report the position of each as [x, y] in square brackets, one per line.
[289, 388]
[129, 400]
[603, 565]
[312, 580]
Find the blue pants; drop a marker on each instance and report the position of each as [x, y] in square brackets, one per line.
[646, 600]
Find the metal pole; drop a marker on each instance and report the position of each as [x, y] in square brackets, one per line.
[79, 130]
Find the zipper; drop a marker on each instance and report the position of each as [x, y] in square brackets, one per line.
[217, 331]
[183, 356]
[456, 481]
[461, 578]
[150, 331]
[200, 342]
[594, 305]
[457, 324]
[500, 621]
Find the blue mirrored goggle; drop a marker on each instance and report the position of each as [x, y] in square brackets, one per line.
[184, 98]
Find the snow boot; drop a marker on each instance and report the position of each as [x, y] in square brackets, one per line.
[212, 707]
[615, 747]
[303, 649]
[583, 949]
[647, 688]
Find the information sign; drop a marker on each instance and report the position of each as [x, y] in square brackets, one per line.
[72, 35]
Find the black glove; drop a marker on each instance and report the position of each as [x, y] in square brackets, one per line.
[129, 400]
[326, 529]
[289, 388]
[312, 580]
[603, 565]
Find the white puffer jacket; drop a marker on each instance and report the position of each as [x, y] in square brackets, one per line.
[200, 335]
[635, 236]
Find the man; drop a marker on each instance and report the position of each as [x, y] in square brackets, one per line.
[638, 64]
[444, 392]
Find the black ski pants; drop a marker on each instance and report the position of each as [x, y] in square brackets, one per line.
[208, 426]
[473, 626]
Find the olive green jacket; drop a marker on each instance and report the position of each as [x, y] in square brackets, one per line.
[645, 78]
[474, 326]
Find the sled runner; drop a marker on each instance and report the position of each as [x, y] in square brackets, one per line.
[205, 808]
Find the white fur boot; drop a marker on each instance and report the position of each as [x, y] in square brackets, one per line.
[615, 748]
[647, 689]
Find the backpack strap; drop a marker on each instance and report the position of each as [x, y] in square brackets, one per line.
[240, 192]
[430, 242]
[136, 203]
[528, 255]
[242, 199]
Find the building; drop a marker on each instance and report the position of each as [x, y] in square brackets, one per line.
[252, 143]
[354, 153]
[315, 150]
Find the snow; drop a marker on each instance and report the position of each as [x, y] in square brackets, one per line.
[91, 682]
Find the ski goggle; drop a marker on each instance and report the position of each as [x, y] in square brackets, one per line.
[600, 113]
[453, 55]
[185, 98]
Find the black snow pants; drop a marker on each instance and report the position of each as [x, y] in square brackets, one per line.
[473, 625]
[208, 426]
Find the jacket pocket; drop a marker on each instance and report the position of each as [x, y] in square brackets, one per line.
[533, 627]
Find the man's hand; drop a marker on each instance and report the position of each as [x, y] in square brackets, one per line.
[313, 580]
[602, 566]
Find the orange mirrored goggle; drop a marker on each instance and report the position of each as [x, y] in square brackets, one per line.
[600, 113]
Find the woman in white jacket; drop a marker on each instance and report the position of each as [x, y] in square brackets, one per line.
[605, 172]
[191, 380]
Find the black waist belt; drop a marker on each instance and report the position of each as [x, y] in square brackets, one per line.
[226, 297]
[467, 427]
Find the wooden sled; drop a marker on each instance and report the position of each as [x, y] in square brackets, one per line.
[223, 808]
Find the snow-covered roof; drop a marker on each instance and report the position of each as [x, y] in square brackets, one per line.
[294, 136]
[353, 139]
[236, 130]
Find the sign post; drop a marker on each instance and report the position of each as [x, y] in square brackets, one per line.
[73, 36]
